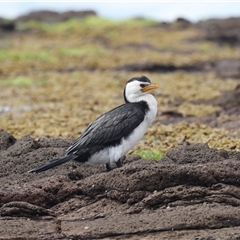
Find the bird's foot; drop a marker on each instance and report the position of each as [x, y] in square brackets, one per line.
[119, 163]
[108, 166]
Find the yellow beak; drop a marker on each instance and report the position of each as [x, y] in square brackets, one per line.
[149, 87]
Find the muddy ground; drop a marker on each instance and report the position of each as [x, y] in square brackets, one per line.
[193, 192]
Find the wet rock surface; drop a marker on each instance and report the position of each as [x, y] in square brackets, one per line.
[192, 192]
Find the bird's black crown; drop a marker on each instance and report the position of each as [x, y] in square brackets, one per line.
[140, 79]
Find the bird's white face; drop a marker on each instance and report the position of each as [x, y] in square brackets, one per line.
[135, 89]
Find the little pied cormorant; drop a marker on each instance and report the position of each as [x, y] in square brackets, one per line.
[108, 138]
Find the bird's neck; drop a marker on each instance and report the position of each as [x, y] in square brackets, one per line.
[151, 103]
[136, 98]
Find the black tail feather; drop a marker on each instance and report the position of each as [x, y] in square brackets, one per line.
[53, 163]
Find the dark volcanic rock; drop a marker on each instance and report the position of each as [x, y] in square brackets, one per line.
[6, 25]
[193, 187]
[182, 23]
[214, 120]
[225, 68]
[197, 153]
[51, 16]
[223, 31]
[76, 14]
[6, 140]
[179, 23]
[229, 100]
[228, 68]
[159, 67]
[43, 16]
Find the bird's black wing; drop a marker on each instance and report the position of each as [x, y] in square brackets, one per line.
[110, 127]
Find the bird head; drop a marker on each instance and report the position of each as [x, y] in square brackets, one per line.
[136, 88]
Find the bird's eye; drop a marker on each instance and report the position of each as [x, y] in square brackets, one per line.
[143, 85]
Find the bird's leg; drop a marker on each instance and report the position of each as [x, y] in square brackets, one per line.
[108, 166]
[119, 163]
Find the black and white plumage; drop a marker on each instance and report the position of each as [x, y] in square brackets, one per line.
[108, 138]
